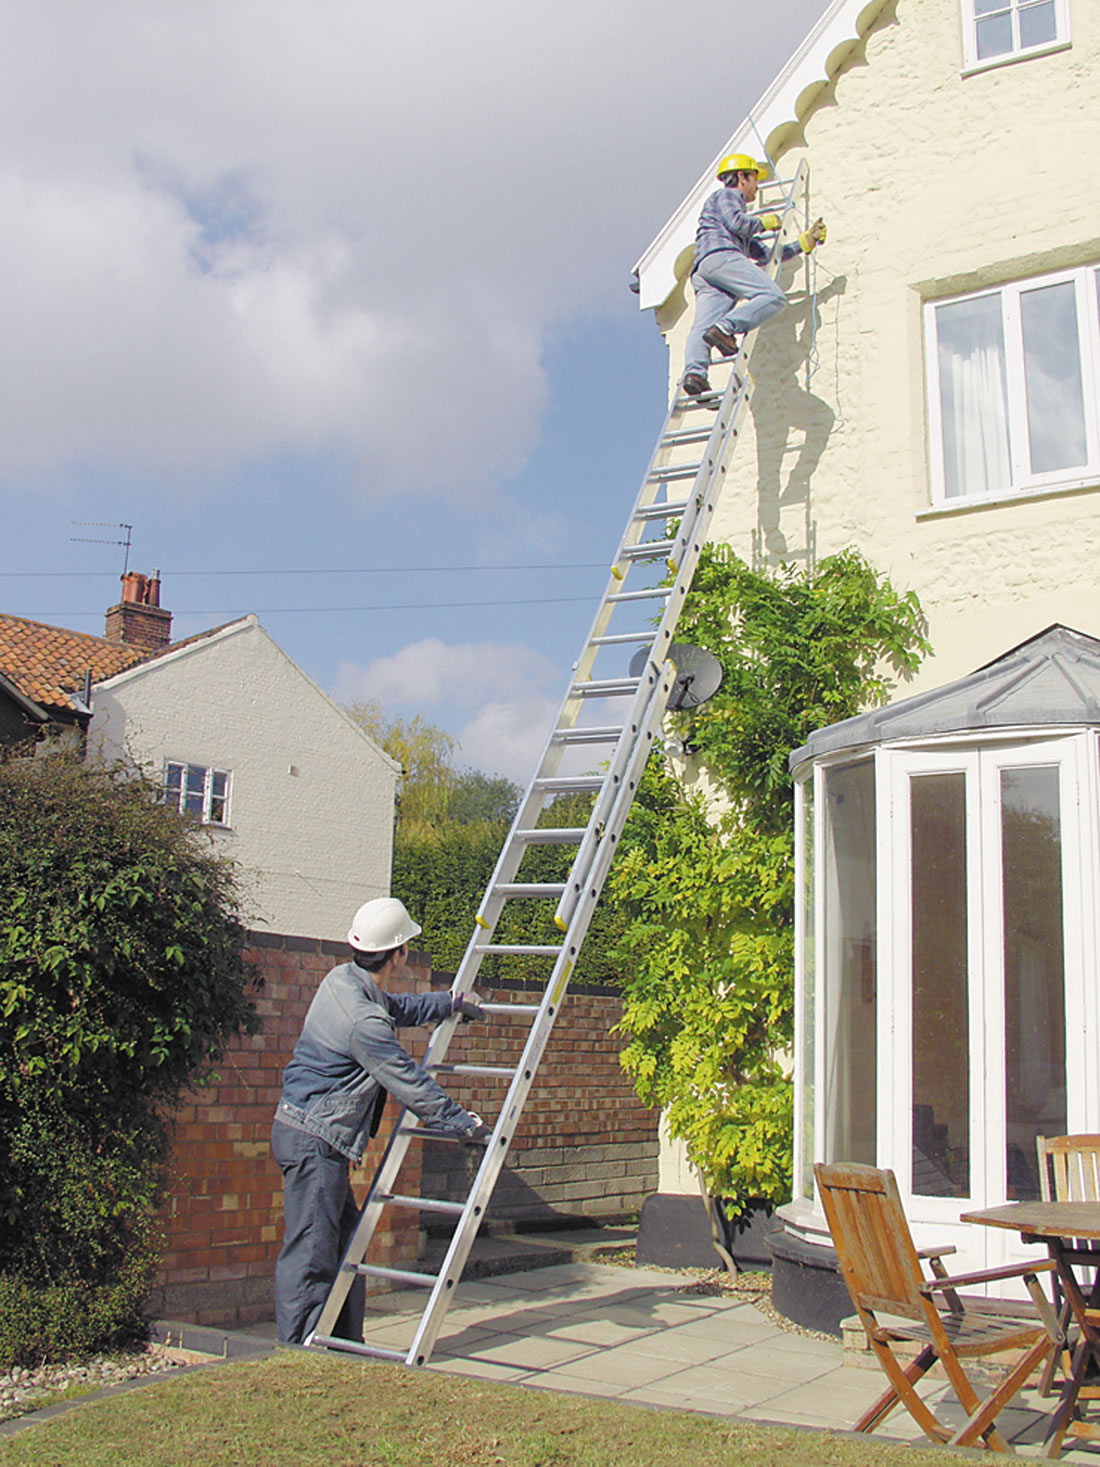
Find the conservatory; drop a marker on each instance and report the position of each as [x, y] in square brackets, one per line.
[948, 857]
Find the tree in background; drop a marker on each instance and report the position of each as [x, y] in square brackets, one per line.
[708, 953]
[424, 753]
[121, 978]
[432, 788]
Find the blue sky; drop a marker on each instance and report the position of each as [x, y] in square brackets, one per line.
[329, 302]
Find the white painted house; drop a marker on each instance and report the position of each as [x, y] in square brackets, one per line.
[286, 783]
[931, 395]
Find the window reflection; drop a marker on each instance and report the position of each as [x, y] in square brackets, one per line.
[941, 992]
[850, 964]
[1052, 370]
[1034, 977]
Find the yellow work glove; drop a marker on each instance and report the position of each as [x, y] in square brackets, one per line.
[768, 222]
[815, 235]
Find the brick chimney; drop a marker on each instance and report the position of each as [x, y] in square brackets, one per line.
[139, 620]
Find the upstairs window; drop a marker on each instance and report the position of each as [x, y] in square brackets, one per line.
[1012, 388]
[192, 789]
[1001, 30]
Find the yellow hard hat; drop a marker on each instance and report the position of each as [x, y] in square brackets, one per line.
[742, 163]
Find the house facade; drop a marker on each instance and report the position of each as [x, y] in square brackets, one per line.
[235, 734]
[931, 396]
[285, 782]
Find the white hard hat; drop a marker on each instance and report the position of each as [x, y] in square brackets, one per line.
[381, 924]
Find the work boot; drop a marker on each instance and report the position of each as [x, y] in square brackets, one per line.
[693, 384]
[724, 341]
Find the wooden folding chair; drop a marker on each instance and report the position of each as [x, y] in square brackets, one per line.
[1069, 1171]
[883, 1272]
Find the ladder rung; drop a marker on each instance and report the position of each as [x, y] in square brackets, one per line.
[395, 1275]
[530, 889]
[623, 639]
[612, 687]
[491, 1071]
[680, 437]
[512, 1008]
[353, 1347]
[569, 783]
[432, 1133]
[673, 471]
[654, 592]
[515, 950]
[648, 548]
[665, 510]
[589, 733]
[552, 835]
[710, 399]
[422, 1204]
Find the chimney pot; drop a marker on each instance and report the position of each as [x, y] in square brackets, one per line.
[139, 620]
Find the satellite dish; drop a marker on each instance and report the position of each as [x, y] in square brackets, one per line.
[698, 675]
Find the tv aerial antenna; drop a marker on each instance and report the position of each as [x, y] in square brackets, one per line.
[104, 525]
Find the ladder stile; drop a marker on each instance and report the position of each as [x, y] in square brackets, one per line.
[691, 458]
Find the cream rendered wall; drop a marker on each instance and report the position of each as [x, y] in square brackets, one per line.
[312, 797]
[931, 183]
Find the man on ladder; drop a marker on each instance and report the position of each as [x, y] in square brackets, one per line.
[733, 293]
[334, 1089]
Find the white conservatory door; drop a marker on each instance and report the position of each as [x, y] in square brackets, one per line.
[985, 1020]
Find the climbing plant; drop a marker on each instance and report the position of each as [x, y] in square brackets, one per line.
[706, 873]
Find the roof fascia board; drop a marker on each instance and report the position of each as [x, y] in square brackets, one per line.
[785, 103]
[173, 654]
[247, 623]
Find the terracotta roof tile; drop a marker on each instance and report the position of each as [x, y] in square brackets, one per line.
[47, 664]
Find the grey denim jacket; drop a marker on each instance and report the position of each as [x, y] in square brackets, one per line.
[348, 1053]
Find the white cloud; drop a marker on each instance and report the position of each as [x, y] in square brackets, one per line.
[264, 225]
[426, 674]
[512, 686]
[508, 737]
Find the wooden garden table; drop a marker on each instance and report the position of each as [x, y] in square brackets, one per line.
[1067, 1228]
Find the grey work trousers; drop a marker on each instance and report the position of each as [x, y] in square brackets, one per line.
[320, 1217]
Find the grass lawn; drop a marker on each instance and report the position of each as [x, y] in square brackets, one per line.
[300, 1410]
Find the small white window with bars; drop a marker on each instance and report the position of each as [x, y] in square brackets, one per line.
[193, 789]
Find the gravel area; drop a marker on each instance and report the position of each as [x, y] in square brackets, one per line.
[24, 1390]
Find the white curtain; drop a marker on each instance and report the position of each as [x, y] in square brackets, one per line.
[975, 421]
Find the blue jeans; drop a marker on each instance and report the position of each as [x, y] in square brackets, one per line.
[732, 292]
[320, 1217]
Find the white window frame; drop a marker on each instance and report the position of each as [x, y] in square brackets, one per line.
[970, 18]
[1023, 481]
[209, 775]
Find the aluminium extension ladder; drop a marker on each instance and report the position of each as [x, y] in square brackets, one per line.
[661, 544]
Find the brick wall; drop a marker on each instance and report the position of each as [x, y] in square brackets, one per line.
[585, 1144]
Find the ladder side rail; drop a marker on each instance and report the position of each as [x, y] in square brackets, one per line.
[511, 852]
[689, 543]
[497, 1149]
[599, 841]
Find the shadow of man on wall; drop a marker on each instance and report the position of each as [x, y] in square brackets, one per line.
[790, 419]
